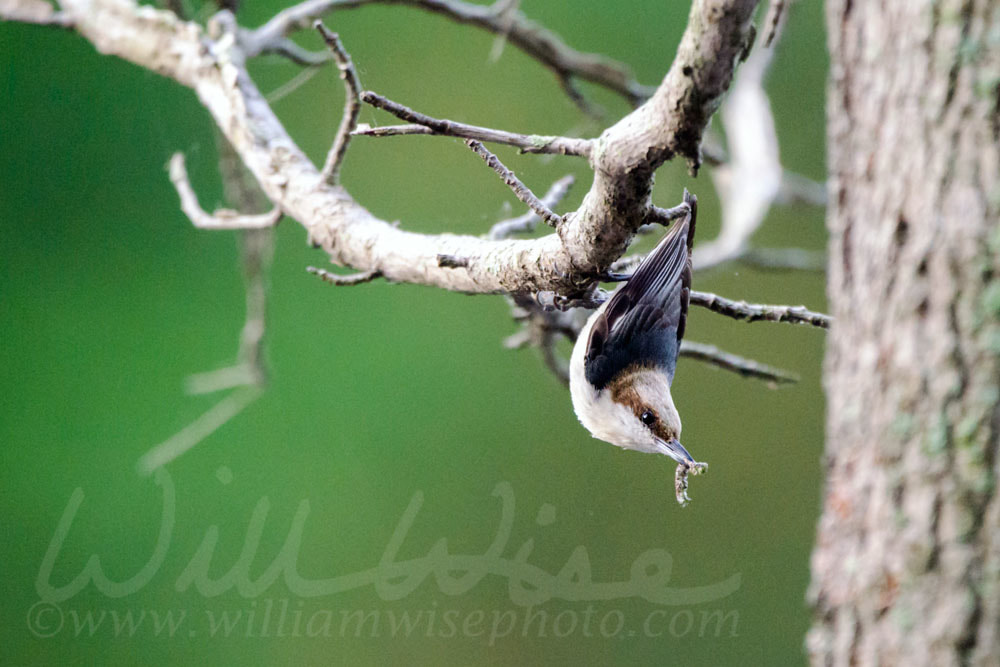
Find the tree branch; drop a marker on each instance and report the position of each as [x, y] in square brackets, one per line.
[528, 143]
[755, 312]
[298, 55]
[38, 12]
[352, 105]
[526, 223]
[344, 280]
[222, 219]
[625, 157]
[735, 363]
[520, 190]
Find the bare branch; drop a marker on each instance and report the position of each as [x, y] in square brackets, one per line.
[664, 216]
[298, 55]
[799, 189]
[526, 223]
[773, 20]
[344, 280]
[784, 259]
[504, 10]
[291, 85]
[555, 363]
[670, 122]
[539, 43]
[755, 312]
[528, 143]
[352, 105]
[520, 190]
[37, 12]
[749, 182]
[223, 219]
[199, 429]
[366, 130]
[734, 363]
[577, 97]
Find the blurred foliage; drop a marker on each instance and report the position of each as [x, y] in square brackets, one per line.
[380, 393]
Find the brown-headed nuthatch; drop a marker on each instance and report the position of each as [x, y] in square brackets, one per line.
[624, 360]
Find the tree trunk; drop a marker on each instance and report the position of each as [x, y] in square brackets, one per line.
[906, 569]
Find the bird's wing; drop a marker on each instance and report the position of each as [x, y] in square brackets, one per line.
[643, 322]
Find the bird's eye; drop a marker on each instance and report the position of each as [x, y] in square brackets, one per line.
[648, 417]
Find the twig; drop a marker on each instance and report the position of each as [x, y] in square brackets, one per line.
[257, 246]
[665, 216]
[756, 312]
[366, 130]
[784, 259]
[526, 223]
[198, 430]
[291, 85]
[504, 10]
[799, 189]
[519, 189]
[772, 20]
[734, 363]
[297, 54]
[223, 219]
[627, 264]
[555, 363]
[352, 105]
[577, 97]
[528, 143]
[345, 280]
[539, 43]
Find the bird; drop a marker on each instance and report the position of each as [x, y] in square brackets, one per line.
[624, 359]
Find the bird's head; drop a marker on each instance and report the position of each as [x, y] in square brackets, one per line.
[642, 415]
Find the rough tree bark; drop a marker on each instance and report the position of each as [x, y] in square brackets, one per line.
[906, 569]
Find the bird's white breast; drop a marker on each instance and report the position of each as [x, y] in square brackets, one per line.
[599, 414]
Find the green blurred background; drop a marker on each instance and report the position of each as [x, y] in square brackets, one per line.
[380, 394]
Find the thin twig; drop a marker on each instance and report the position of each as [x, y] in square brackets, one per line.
[366, 130]
[504, 10]
[577, 97]
[799, 189]
[756, 312]
[785, 259]
[749, 181]
[665, 216]
[352, 105]
[528, 143]
[291, 85]
[555, 363]
[735, 363]
[297, 54]
[772, 20]
[524, 224]
[199, 429]
[345, 280]
[519, 189]
[222, 219]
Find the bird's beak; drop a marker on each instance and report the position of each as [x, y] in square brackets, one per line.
[675, 450]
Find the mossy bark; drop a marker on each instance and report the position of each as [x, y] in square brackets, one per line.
[906, 569]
